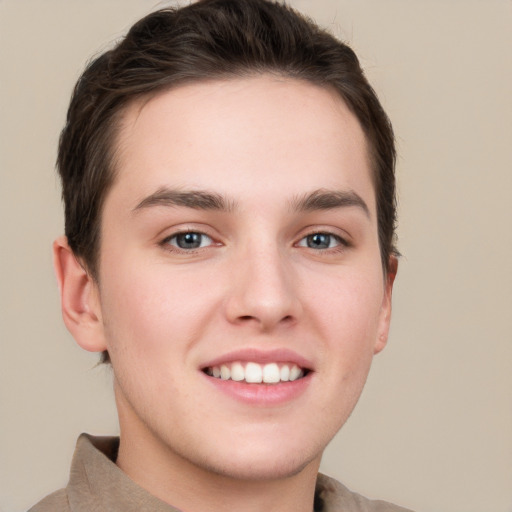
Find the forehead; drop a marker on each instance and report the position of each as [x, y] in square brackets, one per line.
[264, 132]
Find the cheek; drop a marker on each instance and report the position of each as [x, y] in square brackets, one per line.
[347, 306]
[149, 309]
[347, 318]
[347, 314]
[143, 323]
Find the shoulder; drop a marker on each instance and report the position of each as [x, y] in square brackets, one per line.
[55, 502]
[336, 496]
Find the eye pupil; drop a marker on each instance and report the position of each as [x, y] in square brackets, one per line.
[318, 241]
[188, 240]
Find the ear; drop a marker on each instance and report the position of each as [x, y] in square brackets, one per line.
[385, 312]
[79, 295]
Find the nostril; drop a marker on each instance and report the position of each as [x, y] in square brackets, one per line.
[246, 318]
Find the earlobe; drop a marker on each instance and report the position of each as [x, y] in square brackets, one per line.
[80, 303]
[385, 314]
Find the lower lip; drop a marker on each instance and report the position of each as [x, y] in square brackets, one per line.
[262, 394]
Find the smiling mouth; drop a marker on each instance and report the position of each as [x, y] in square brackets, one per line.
[255, 373]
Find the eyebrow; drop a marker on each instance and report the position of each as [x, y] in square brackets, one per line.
[323, 199]
[197, 199]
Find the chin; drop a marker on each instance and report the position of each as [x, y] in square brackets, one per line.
[258, 460]
[263, 468]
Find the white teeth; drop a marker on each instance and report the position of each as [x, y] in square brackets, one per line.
[225, 372]
[254, 373]
[295, 372]
[237, 372]
[271, 373]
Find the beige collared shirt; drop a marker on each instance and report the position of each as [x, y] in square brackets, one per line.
[96, 484]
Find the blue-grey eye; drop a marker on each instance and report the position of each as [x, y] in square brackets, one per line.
[190, 240]
[320, 241]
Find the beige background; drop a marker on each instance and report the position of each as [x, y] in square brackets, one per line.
[433, 430]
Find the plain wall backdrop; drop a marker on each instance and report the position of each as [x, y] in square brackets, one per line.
[433, 430]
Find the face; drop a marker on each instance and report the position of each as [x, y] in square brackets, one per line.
[241, 294]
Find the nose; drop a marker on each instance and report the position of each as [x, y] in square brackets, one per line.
[263, 290]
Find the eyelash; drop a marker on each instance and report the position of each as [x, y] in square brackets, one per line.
[166, 242]
[341, 243]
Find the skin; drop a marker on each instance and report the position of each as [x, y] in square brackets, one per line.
[163, 312]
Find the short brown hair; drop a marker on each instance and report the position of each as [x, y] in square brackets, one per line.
[210, 39]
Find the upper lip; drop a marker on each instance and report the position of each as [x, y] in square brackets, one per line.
[261, 357]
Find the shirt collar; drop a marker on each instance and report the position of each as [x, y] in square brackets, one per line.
[96, 483]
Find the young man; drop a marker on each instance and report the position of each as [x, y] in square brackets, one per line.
[228, 179]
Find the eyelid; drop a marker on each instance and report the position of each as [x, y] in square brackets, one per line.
[342, 236]
[180, 230]
[341, 243]
[176, 235]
